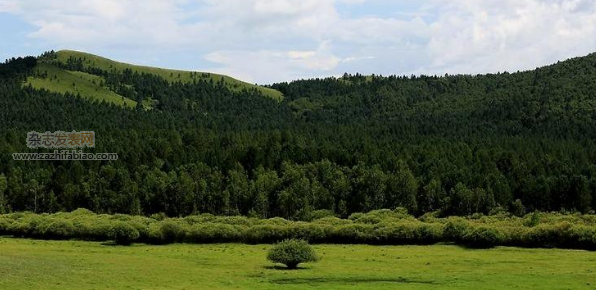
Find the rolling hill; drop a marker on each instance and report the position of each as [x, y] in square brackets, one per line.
[50, 75]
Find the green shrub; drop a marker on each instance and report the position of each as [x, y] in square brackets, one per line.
[428, 234]
[550, 230]
[406, 232]
[332, 221]
[198, 219]
[401, 212]
[292, 253]
[455, 229]
[213, 233]
[154, 234]
[483, 237]
[382, 215]
[433, 216]
[548, 235]
[142, 228]
[5, 225]
[532, 219]
[94, 229]
[233, 220]
[159, 216]
[397, 234]
[517, 208]
[30, 226]
[19, 229]
[275, 221]
[355, 216]
[123, 233]
[539, 236]
[514, 235]
[582, 237]
[81, 212]
[54, 229]
[266, 234]
[353, 234]
[171, 232]
[309, 232]
[370, 219]
[319, 214]
[61, 229]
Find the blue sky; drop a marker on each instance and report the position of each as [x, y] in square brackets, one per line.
[267, 41]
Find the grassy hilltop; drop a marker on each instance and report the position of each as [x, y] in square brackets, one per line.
[53, 78]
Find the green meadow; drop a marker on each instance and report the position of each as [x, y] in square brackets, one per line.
[35, 264]
[74, 82]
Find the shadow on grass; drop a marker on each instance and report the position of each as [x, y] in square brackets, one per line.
[114, 244]
[348, 280]
[279, 267]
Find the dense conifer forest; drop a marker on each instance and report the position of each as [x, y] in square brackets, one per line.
[455, 145]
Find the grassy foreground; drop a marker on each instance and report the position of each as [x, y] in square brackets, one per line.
[30, 264]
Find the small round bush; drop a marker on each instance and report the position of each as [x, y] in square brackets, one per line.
[291, 253]
[123, 234]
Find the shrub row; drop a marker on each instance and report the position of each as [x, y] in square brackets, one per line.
[378, 228]
[559, 235]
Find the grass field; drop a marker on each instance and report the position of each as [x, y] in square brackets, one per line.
[32, 264]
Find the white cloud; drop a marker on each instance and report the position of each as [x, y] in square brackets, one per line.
[276, 40]
[486, 36]
[101, 23]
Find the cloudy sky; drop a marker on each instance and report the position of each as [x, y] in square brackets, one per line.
[267, 41]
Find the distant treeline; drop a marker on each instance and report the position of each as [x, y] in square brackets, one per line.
[455, 144]
[382, 227]
[16, 66]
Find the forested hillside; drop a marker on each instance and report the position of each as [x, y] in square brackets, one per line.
[97, 78]
[454, 144]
